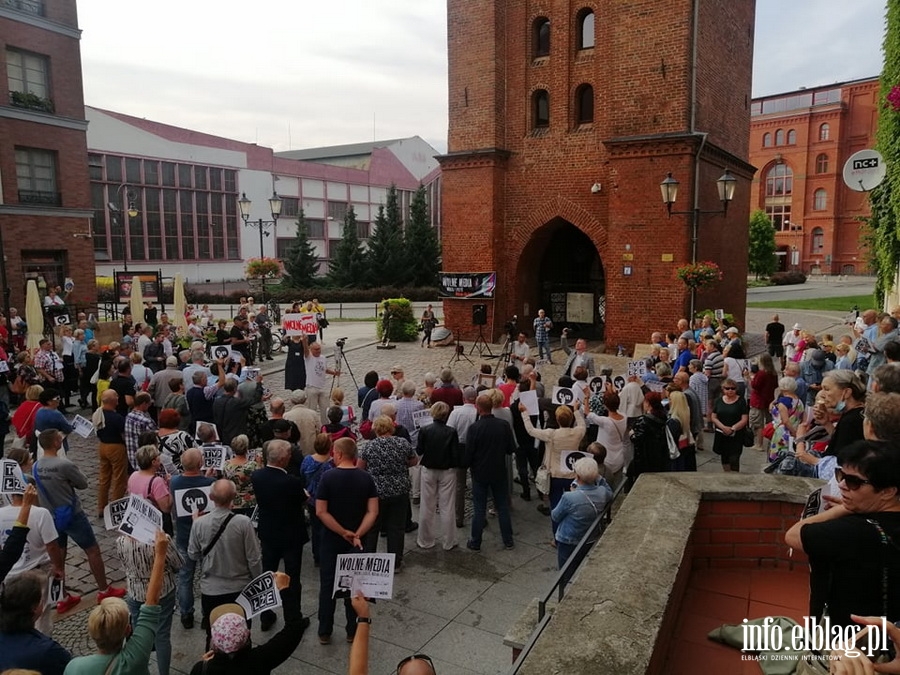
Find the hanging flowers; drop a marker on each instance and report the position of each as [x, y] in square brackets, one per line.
[263, 268]
[893, 97]
[699, 274]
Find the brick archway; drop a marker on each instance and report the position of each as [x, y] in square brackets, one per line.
[560, 258]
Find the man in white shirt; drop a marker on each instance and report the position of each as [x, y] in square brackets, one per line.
[519, 351]
[790, 342]
[461, 418]
[317, 371]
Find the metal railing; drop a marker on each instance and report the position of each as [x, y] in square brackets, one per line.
[41, 197]
[564, 578]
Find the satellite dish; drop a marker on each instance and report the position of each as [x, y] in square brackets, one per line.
[864, 170]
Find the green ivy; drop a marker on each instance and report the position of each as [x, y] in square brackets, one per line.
[881, 237]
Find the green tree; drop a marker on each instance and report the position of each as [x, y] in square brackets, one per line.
[301, 264]
[421, 243]
[883, 236]
[762, 244]
[347, 267]
[385, 257]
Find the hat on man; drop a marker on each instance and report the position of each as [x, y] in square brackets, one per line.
[126, 340]
[796, 326]
[817, 356]
[732, 331]
[396, 369]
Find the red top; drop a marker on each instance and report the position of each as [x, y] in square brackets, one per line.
[23, 418]
[762, 390]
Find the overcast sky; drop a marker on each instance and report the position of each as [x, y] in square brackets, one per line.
[289, 74]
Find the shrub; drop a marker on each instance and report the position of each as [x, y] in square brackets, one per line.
[788, 278]
[404, 326]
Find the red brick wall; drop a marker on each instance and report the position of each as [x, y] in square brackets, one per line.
[549, 173]
[744, 534]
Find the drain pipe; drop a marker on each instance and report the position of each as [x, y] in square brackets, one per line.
[695, 219]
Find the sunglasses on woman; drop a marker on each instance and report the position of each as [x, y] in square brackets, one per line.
[415, 657]
[852, 482]
[729, 388]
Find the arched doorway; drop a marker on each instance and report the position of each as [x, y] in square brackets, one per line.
[560, 271]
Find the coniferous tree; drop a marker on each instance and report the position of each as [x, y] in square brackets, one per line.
[385, 257]
[301, 264]
[421, 244]
[761, 256]
[348, 263]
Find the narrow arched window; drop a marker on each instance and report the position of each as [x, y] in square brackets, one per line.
[792, 137]
[820, 200]
[822, 163]
[779, 137]
[541, 37]
[824, 132]
[818, 240]
[767, 140]
[541, 109]
[585, 29]
[584, 104]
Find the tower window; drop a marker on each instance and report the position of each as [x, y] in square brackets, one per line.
[584, 104]
[541, 37]
[541, 109]
[585, 29]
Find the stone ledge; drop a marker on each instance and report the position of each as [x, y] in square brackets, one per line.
[613, 618]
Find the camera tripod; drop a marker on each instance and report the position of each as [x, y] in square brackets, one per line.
[505, 354]
[340, 360]
[481, 344]
[459, 351]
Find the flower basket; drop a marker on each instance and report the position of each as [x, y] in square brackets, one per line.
[893, 97]
[699, 275]
[263, 268]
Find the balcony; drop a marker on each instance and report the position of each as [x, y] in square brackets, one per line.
[35, 7]
[40, 198]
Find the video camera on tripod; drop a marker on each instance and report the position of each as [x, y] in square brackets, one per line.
[512, 327]
[340, 342]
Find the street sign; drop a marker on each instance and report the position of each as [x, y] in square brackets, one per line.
[864, 170]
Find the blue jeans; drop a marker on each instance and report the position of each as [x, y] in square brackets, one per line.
[500, 492]
[563, 551]
[558, 487]
[163, 629]
[185, 584]
[544, 348]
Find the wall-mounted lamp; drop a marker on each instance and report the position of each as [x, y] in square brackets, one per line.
[596, 188]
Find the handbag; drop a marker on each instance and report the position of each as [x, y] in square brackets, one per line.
[21, 442]
[747, 439]
[674, 452]
[768, 430]
[542, 480]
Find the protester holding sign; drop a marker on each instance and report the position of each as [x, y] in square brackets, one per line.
[138, 561]
[146, 483]
[109, 625]
[577, 509]
[566, 438]
[190, 477]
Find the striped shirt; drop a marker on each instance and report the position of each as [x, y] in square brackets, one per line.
[137, 559]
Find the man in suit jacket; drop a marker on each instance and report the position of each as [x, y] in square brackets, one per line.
[230, 411]
[281, 498]
[576, 357]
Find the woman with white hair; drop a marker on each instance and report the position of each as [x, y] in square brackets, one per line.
[578, 508]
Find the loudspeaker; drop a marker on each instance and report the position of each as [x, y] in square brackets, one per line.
[479, 315]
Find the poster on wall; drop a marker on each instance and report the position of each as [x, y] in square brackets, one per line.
[463, 285]
[580, 307]
[149, 282]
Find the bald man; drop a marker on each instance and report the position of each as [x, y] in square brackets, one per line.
[227, 547]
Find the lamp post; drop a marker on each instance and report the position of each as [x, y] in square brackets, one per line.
[244, 205]
[129, 211]
[669, 188]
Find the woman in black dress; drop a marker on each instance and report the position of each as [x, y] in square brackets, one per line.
[294, 365]
[729, 417]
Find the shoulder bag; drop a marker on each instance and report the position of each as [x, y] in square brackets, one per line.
[215, 539]
[166, 516]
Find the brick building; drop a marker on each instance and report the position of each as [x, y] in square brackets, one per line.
[45, 206]
[800, 141]
[564, 119]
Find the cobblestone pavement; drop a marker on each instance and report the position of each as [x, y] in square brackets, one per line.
[455, 606]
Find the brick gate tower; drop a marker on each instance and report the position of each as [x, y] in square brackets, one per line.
[565, 116]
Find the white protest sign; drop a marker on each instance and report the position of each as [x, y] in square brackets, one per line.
[814, 504]
[720, 314]
[4, 366]
[141, 521]
[619, 382]
[564, 395]
[370, 573]
[220, 352]
[191, 500]
[656, 386]
[259, 595]
[114, 513]
[83, 427]
[637, 368]
[530, 400]
[422, 418]
[56, 591]
[12, 481]
[214, 456]
[597, 384]
[254, 517]
[567, 459]
[300, 324]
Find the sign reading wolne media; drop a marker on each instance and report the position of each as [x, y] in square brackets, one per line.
[468, 285]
